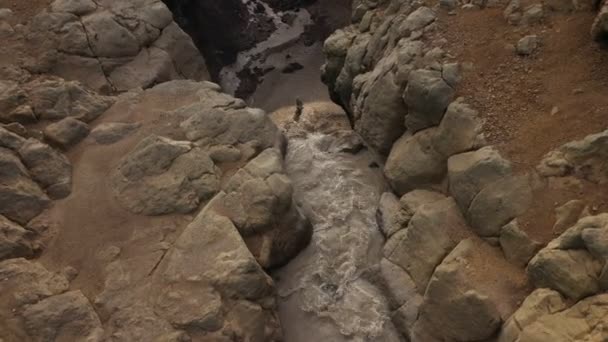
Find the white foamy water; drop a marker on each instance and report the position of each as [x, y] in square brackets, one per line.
[282, 37]
[323, 296]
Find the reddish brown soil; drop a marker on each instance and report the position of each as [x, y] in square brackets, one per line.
[516, 95]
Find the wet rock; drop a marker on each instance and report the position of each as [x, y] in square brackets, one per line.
[48, 167]
[112, 132]
[517, 246]
[66, 132]
[15, 241]
[539, 303]
[527, 45]
[69, 315]
[573, 273]
[427, 96]
[162, 176]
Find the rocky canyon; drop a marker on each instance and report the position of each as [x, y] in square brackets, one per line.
[303, 170]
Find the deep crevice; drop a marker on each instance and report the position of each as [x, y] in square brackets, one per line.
[223, 29]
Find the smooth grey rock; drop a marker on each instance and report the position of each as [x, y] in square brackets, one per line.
[567, 215]
[69, 315]
[533, 14]
[108, 37]
[451, 73]
[584, 320]
[453, 306]
[429, 237]
[390, 216]
[574, 273]
[499, 202]
[49, 167]
[15, 241]
[583, 158]
[112, 132]
[414, 163]
[162, 176]
[10, 140]
[56, 99]
[427, 96]
[66, 132]
[539, 303]
[460, 130]
[77, 7]
[517, 246]
[528, 45]
[418, 19]
[469, 173]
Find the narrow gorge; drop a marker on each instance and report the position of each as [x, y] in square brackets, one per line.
[303, 170]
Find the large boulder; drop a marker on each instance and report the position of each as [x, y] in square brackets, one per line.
[427, 96]
[584, 321]
[539, 303]
[458, 304]
[470, 172]
[162, 176]
[574, 273]
[257, 199]
[112, 45]
[24, 283]
[434, 230]
[573, 263]
[420, 160]
[67, 316]
[414, 163]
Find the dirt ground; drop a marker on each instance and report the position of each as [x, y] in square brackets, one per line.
[536, 103]
[24, 10]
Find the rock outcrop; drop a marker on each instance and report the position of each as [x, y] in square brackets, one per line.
[110, 45]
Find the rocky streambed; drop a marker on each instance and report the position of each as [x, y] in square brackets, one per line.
[139, 201]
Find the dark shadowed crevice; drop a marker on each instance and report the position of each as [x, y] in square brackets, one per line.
[223, 29]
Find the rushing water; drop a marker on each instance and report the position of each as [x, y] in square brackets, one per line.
[324, 294]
